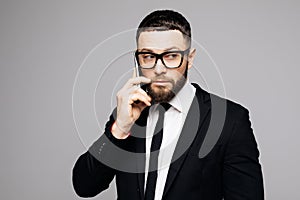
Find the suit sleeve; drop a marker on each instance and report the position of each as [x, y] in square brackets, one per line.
[90, 175]
[242, 175]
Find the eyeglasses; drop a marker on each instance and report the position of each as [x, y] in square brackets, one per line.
[170, 59]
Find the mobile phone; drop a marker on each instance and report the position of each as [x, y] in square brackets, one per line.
[138, 72]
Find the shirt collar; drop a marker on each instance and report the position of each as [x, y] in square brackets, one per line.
[181, 101]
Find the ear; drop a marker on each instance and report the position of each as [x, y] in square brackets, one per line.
[191, 57]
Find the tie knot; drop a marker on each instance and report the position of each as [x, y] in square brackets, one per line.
[165, 106]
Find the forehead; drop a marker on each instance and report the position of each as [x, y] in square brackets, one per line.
[161, 40]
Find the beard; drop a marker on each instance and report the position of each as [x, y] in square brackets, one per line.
[162, 94]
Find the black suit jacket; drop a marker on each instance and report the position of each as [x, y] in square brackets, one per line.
[216, 157]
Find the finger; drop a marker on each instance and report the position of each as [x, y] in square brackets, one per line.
[139, 80]
[136, 81]
[141, 105]
[134, 90]
[143, 92]
[139, 97]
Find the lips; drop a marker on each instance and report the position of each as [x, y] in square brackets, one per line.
[160, 82]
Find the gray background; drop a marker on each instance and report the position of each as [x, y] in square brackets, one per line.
[43, 43]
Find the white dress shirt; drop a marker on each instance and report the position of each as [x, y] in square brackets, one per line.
[173, 123]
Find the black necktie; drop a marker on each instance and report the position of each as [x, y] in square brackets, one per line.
[155, 146]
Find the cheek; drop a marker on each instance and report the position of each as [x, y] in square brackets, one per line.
[146, 73]
[177, 75]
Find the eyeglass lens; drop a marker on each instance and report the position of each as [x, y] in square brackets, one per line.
[170, 60]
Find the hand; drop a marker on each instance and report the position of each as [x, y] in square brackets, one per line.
[128, 110]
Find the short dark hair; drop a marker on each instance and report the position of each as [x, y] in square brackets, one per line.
[162, 20]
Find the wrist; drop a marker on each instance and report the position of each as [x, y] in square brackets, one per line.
[119, 132]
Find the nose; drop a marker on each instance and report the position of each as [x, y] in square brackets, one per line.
[159, 68]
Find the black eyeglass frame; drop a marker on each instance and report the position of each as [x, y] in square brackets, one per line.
[160, 56]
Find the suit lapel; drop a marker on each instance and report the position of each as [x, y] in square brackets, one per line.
[188, 134]
[190, 129]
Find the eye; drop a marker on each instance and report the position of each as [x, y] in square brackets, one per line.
[148, 56]
[172, 56]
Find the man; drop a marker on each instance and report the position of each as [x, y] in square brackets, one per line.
[153, 141]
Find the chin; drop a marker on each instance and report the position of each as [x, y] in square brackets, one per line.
[161, 94]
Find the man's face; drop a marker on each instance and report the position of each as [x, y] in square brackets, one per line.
[165, 82]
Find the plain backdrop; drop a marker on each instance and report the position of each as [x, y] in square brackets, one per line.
[255, 45]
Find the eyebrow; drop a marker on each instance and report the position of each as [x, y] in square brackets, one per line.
[167, 49]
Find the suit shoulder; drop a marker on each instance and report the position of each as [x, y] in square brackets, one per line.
[233, 109]
[236, 108]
